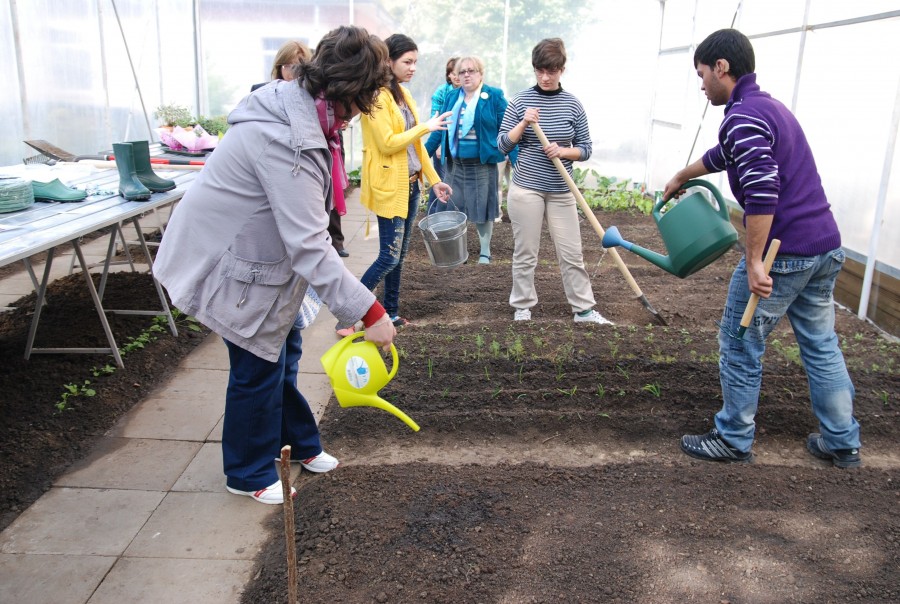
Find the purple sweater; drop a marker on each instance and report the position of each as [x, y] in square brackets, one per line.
[771, 170]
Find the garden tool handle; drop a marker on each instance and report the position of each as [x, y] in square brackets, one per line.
[620, 264]
[754, 298]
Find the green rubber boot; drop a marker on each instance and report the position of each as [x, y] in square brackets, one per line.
[144, 169]
[129, 186]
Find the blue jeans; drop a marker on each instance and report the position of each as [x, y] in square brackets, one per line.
[264, 411]
[803, 289]
[393, 236]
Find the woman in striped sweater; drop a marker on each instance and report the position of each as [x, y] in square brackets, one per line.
[539, 191]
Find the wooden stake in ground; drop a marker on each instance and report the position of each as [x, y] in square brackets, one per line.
[288, 507]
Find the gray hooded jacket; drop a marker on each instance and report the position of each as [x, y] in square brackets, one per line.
[250, 235]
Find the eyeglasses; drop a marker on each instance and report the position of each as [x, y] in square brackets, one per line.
[552, 73]
[465, 72]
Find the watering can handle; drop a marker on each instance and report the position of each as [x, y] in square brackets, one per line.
[395, 365]
[697, 182]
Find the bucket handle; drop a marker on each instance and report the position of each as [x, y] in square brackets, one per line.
[435, 200]
[428, 213]
[395, 360]
[697, 182]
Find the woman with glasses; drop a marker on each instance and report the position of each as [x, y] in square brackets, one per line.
[538, 191]
[394, 162]
[469, 148]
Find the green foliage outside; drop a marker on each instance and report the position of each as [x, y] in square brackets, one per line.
[470, 27]
[612, 194]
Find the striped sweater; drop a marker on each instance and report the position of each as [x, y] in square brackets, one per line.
[772, 171]
[564, 122]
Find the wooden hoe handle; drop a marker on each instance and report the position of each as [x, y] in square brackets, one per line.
[754, 298]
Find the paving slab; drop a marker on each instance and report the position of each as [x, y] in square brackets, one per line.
[131, 463]
[211, 354]
[99, 522]
[216, 526]
[187, 408]
[57, 579]
[204, 474]
[174, 581]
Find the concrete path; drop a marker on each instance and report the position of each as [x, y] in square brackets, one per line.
[145, 517]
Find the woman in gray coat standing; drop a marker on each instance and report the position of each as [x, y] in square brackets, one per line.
[250, 236]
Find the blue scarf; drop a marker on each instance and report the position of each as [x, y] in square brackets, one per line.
[456, 128]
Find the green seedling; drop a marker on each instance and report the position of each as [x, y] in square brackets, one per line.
[653, 389]
[105, 370]
[430, 367]
[496, 392]
[601, 391]
[72, 390]
[569, 393]
[495, 348]
[622, 371]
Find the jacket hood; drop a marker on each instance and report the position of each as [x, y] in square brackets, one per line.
[287, 103]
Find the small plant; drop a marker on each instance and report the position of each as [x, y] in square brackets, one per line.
[217, 125]
[487, 374]
[516, 351]
[495, 348]
[791, 352]
[601, 391]
[105, 370]
[479, 345]
[354, 177]
[430, 367]
[174, 115]
[653, 389]
[622, 371]
[570, 393]
[72, 390]
[496, 392]
[882, 396]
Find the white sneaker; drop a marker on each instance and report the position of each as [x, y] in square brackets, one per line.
[323, 462]
[522, 314]
[593, 317]
[271, 495]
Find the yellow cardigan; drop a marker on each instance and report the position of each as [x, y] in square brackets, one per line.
[385, 169]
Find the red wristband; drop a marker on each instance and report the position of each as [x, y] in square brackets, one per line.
[375, 312]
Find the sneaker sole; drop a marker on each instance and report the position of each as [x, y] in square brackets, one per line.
[689, 453]
[818, 453]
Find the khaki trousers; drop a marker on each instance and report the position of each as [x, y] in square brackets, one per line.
[527, 210]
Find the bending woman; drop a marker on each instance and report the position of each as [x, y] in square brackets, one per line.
[253, 226]
[394, 161]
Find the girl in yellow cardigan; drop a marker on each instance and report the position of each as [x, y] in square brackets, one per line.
[394, 161]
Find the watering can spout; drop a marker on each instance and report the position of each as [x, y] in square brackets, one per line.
[613, 237]
[357, 372]
[663, 262]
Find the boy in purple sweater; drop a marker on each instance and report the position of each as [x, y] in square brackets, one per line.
[774, 178]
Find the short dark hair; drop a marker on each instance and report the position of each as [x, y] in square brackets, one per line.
[550, 54]
[348, 67]
[451, 66]
[728, 44]
[398, 45]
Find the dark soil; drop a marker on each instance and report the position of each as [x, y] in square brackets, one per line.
[38, 440]
[547, 468]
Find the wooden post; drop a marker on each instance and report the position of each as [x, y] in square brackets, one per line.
[288, 507]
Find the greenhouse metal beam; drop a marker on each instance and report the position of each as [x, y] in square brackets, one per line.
[879, 208]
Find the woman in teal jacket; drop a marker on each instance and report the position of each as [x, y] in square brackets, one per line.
[469, 148]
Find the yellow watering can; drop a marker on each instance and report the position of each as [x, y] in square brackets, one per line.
[357, 372]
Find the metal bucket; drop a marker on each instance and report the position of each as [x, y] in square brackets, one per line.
[446, 238]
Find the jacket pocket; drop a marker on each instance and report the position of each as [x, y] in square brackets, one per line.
[247, 291]
[381, 178]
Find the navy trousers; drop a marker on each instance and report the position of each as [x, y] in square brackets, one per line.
[264, 411]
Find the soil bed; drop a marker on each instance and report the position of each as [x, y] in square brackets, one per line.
[38, 440]
[548, 470]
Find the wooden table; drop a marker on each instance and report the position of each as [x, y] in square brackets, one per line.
[46, 225]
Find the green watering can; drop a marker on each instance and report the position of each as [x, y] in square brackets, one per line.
[357, 372]
[694, 233]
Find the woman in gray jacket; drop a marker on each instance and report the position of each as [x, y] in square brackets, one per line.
[250, 236]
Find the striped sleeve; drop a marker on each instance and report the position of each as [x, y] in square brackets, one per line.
[745, 142]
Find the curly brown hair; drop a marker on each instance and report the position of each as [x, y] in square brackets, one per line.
[349, 67]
